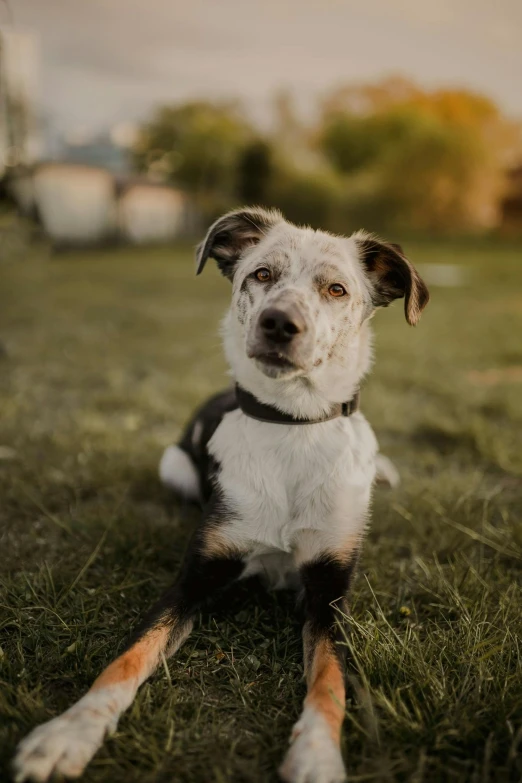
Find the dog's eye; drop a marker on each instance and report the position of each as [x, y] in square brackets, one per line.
[263, 274]
[336, 290]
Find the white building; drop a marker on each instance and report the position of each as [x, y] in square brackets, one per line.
[76, 204]
[150, 213]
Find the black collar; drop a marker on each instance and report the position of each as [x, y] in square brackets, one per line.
[258, 410]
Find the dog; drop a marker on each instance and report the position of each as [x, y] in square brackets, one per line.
[284, 464]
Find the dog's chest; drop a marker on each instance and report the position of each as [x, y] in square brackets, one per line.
[278, 480]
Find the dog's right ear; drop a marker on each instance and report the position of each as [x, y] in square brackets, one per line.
[229, 236]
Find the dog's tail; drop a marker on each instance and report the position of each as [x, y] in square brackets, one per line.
[186, 468]
[386, 473]
[178, 472]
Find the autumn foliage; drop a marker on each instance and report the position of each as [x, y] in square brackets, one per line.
[386, 155]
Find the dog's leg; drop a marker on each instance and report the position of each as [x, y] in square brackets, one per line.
[67, 743]
[314, 755]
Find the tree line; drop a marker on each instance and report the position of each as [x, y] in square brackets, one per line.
[388, 155]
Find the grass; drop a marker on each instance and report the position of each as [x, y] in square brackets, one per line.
[103, 358]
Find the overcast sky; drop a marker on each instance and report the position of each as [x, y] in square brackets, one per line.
[106, 61]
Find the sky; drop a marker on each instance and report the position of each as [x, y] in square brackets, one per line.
[104, 62]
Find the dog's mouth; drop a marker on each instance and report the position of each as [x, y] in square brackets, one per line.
[274, 363]
[275, 358]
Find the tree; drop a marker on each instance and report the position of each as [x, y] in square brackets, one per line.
[255, 172]
[432, 160]
[194, 145]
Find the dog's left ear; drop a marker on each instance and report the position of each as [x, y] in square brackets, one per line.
[229, 236]
[392, 276]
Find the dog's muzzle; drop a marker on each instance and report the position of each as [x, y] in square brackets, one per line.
[281, 339]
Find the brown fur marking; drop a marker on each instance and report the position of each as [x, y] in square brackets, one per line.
[138, 662]
[326, 691]
[215, 543]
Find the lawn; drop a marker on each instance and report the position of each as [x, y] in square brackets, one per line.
[102, 358]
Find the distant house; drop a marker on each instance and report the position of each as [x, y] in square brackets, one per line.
[79, 205]
[151, 213]
[76, 204]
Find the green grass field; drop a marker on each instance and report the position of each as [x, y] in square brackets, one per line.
[103, 358]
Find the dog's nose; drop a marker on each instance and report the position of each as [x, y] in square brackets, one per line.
[281, 326]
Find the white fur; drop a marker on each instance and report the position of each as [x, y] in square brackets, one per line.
[313, 756]
[67, 743]
[286, 482]
[177, 471]
[197, 433]
[339, 353]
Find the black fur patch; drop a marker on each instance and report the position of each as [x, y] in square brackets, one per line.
[201, 577]
[207, 419]
[326, 583]
[393, 277]
[232, 234]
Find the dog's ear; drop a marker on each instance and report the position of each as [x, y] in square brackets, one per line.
[229, 236]
[392, 276]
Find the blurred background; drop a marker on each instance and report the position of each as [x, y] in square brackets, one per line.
[142, 121]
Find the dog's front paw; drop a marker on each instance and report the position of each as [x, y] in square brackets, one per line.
[64, 745]
[313, 757]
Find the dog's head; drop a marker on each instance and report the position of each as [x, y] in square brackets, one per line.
[300, 297]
